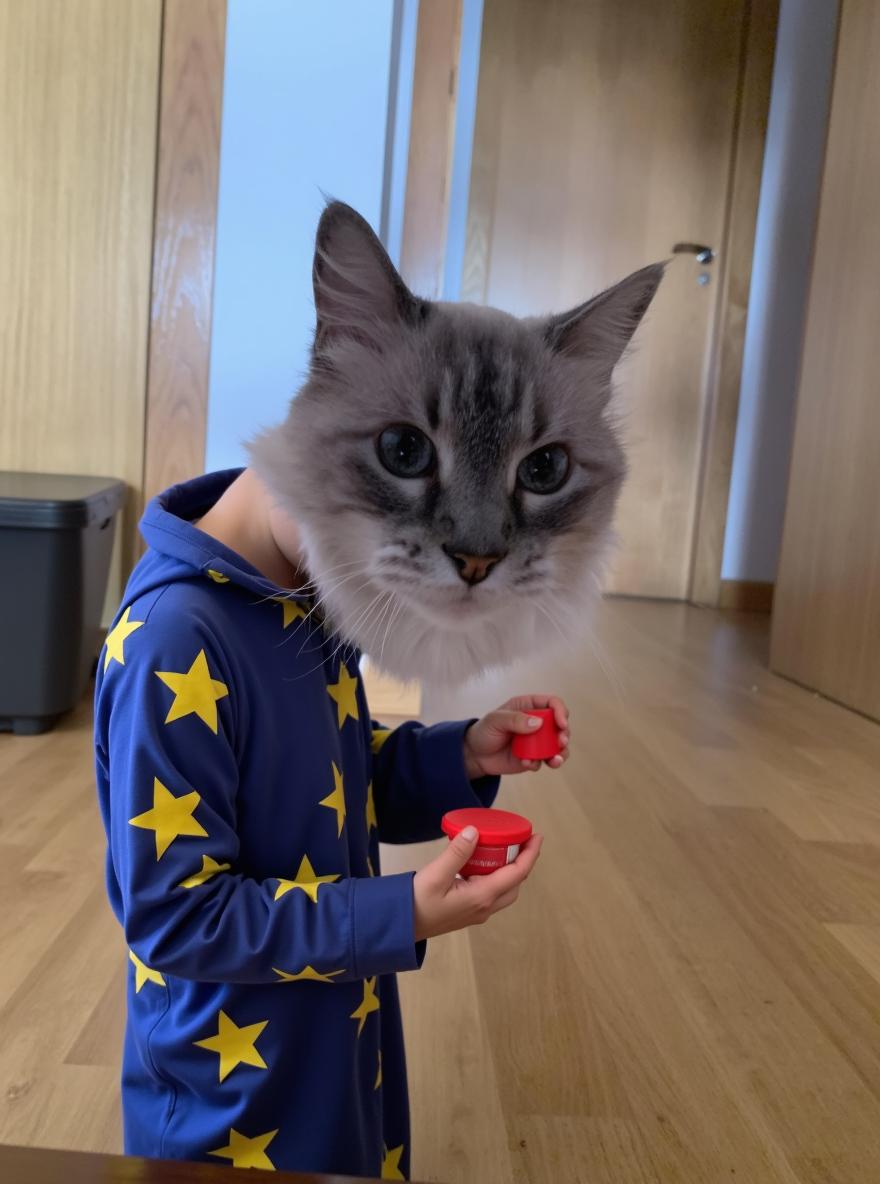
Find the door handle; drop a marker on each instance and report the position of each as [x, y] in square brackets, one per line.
[703, 253]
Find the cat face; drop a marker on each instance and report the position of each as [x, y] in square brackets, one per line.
[453, 469]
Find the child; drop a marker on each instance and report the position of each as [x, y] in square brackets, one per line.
[245, 792]
[445, 481]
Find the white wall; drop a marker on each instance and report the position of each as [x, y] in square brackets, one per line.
[780, 277]
[305, 110]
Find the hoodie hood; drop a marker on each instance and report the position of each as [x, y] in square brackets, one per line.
[179, 550]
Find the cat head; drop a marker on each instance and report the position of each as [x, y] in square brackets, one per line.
[453, 469]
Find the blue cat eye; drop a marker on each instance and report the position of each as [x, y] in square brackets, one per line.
[405, 451]
[545, 470]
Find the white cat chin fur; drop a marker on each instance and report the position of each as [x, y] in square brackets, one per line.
[406, 643]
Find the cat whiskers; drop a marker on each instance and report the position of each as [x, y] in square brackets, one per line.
[360, 623]
[390, 626]
[330, 587]
[395, 606]
[342, 639]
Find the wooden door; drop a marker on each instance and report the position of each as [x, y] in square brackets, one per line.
[606, 133]
[826, 617]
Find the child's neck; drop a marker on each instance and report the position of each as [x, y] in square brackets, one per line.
[246, 520]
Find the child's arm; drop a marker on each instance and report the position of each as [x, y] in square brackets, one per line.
[418, 774]
[186, 908]
[421, 772]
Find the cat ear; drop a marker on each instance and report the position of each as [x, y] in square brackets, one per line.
[358, 292]
[600, 330]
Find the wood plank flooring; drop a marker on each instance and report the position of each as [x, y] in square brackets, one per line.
[688, 990]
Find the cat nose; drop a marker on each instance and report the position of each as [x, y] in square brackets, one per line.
[473, 569]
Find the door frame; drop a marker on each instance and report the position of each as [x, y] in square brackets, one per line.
[724, 370]
[184, 236]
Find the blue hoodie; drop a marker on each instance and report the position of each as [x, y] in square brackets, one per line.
[244, 791]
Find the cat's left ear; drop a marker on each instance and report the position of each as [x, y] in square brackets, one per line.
[358, 292]
[600, 330]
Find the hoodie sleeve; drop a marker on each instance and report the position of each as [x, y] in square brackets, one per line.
[419, 774]
[171, 798]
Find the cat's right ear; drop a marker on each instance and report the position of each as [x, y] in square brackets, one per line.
[600, 330]
[358, 292]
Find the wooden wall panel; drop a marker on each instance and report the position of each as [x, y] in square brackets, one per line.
[183, 253]
[78, 87]
[826, 629]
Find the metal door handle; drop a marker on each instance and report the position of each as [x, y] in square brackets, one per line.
[703, 253]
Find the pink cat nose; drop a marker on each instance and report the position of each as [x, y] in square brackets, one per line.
[473, 569]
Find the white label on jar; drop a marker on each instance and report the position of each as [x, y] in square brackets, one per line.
[512, 852]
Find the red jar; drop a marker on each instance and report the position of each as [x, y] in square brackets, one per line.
[541, 744]
[502, 834]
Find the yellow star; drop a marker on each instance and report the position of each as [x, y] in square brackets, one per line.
[336, 800]
[143, 974]
[247, 1153]
[236, 1046]
[306, 880]
[307, 974]
[115, 644]
[195, 693]
[216, 576]
[380, 735]
[344, 693]
[292, 610]
[169, 817]
[391, 1164]
[372, 821]
[210, 867]
[379, 1073]
[370, 1003]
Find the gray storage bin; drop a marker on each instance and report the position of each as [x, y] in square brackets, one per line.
[56, 536]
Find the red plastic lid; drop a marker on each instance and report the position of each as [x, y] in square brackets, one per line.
[497, 828]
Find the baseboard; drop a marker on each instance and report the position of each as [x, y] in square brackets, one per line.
[746, 596]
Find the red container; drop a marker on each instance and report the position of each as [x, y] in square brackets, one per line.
[501, 836]
[543, 743]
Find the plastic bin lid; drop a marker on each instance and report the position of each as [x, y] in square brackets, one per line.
[50, 501]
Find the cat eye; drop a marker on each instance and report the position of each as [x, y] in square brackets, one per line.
[545, 470]
[405, 451]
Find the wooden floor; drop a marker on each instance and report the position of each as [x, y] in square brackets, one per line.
[688, 990]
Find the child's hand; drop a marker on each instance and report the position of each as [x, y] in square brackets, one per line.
[487, 743]
[444, 903]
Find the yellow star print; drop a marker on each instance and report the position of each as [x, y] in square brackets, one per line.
[114, 646]
[195, 693]
[391, 1164]
[169, 817]
[216, 576]
[370, 1003]
[236, 1046]
[308, 974]
[336, 800]
[344, 694]
[210, 867]
[247, 1153]
[143, 974]
[306, 880]
[380, 735]
[379, 1073]
[372, 821]
[292, 610]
